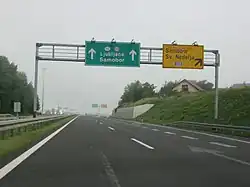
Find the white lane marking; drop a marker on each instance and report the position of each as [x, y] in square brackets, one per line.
[155, 129]
[139, 142]
[221, 144]
[144, 127]
[232, 159]
[196, 132]
[101, 123]
[14, 163]
[172, 133]
[189, 137]
[110, 172]
[111, 128]
[203, 133]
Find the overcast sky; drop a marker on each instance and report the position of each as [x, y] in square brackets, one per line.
[217, 24]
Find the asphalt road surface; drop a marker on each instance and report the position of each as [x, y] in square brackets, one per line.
[101, 152]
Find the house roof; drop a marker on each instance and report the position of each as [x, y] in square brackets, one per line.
[191, 82]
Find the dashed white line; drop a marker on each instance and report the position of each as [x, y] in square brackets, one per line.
[155, 129]
[145, 127]
[101, 123]
[222, 144]
[206, 134]
[110, 172]
[172, 133]
[111, 128]
[145, 145]
[189, 137]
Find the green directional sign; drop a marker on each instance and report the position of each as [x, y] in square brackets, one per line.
[95, 105]
[122, 54]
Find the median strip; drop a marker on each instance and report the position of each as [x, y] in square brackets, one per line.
[14, 163]
[141, 143]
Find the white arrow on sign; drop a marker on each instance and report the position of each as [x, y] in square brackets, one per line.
[92, 52]
[133, 53]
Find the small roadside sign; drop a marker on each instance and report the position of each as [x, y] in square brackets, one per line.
[95, 105]
[17, 107]
[104, 106]
[183, 56]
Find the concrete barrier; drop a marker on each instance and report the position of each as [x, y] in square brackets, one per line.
[131, 112]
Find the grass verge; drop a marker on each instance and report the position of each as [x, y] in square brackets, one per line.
[234, 107]
[12, 144]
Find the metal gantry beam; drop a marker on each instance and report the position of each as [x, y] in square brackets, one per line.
[149, 56]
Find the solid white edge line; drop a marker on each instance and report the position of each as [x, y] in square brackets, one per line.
[222, 144]
[139, 142]
[111, 128]
[189, 137]
[14, 163]
[232, 159]
[172, 133]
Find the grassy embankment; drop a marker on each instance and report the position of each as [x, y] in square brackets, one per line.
[234, 108]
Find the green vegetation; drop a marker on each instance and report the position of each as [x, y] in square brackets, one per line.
[234, 107]
[23, 140]
[136, 91]
[14, 87]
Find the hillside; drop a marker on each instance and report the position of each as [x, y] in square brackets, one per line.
[234, 107]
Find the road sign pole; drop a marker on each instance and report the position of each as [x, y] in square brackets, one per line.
[99, 109]
[217, 64]
[35, 83]
[44, 69]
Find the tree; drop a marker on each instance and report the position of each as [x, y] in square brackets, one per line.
[204, 84]
[14, 87]
[167, 88]
[136, 91]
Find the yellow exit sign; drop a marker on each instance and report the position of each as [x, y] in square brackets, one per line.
[183, 56]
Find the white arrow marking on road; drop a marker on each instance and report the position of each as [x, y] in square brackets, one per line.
[203, 150]
[133, 53]
[92, 52]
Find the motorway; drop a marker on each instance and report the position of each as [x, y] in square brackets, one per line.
[105, 152]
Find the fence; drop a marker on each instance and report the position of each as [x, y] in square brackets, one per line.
[10, 129]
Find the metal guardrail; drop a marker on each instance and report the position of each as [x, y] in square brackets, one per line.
[10, 129]
[218, 128]
[13, 118]
[12, 122]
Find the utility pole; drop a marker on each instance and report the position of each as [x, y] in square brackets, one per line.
[43, 77]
